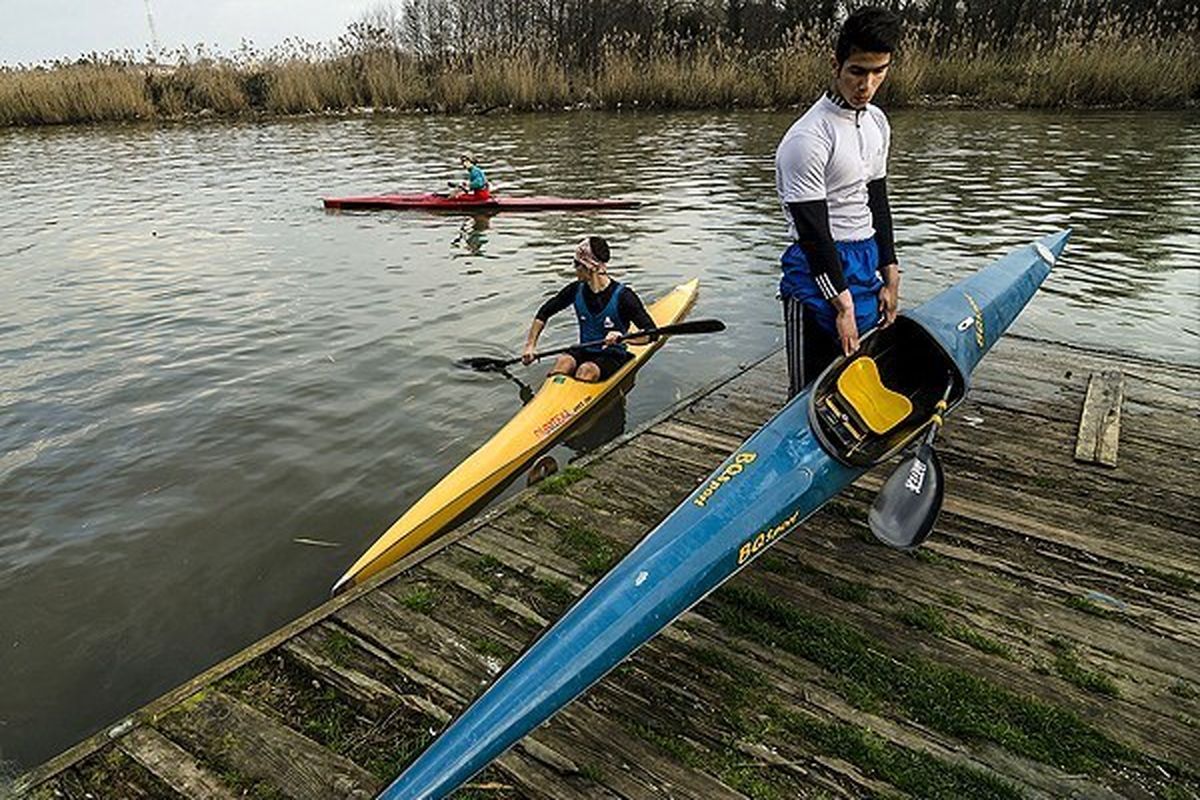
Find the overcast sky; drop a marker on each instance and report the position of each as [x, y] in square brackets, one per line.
[38, 30]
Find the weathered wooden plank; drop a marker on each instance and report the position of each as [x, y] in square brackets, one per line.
[173, 765]
[243, 741]
[1100, 420]
[106, 773]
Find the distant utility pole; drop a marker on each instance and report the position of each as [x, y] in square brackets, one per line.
[153, 33]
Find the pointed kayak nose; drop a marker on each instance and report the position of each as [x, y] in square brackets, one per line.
[1054, 244]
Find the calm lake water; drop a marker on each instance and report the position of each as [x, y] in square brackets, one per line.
[199, 365]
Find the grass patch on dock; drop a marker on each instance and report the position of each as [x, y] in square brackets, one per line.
[591, 772]
[249, 673]
[559, 481]
[593, 552]
[1067, 665]
[381, 740]
[489, 570]
[849, 591]
[674, 743]
[754, 713]
[929, 619]
[1181, 688]
[489, 647]
[421, 599]
[1175, 580]
[1089, 607]
[246, 786]
[106, 773]
[555, 591]
[337, 647]
[945, 698]
[919, 774]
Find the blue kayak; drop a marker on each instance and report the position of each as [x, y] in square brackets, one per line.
[860, 411]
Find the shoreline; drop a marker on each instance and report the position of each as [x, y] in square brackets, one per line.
[939, 103]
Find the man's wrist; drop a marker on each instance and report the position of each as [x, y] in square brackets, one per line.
[891, 275]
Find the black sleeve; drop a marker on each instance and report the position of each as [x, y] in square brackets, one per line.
[632, 309]
[813, 236]
[881, 217]
[564, 298]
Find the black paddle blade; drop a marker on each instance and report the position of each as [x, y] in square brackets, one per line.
[693, 326]
[906, 508]
[485, 364]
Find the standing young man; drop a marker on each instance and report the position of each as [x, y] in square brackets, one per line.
[840, 276]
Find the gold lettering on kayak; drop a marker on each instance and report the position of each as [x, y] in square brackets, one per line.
[753, 546]
[739, 463]
[979, 333]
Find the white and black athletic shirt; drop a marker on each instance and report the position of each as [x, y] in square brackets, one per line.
[830, 175]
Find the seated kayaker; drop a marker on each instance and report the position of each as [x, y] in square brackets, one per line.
[604, 307]
[475, 187]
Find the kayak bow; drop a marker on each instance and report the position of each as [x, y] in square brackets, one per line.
[856, 414]
[441, 202]
[559, 404]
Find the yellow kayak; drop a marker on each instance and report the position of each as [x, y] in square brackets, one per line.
[559, 404]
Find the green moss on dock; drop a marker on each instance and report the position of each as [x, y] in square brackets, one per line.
[555, 591]
[945, 698]
[932, 620]
[419, 598]
[919, 774]
[489, 647]
[489, 570]
[1089, 607]
[593, 552]
[383, 740]
[1067, 665]
[558, 482]
[337, 647]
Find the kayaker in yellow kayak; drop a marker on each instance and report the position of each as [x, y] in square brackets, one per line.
[605, 309]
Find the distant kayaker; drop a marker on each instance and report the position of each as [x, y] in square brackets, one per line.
[840, 276]
[475, 187]
[604, 307]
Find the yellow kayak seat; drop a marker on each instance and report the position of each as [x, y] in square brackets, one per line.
[877, 406]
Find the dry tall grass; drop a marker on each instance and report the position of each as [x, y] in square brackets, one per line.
[1111, 66]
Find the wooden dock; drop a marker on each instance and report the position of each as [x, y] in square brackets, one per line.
[1045, 643]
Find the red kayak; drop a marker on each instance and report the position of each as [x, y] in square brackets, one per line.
[439, 202]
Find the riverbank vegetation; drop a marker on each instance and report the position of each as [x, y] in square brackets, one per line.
[479, 55]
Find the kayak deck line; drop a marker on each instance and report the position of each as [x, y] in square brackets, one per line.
[1105, 621]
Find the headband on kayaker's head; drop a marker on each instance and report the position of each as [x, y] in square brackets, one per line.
[587, 257]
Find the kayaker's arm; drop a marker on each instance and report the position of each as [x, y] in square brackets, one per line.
[560, 301]
[815, 239]
[811, 218]
[564, 299]
[633, 309]
[881, 217]
[535, 330]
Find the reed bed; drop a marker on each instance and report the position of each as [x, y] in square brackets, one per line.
[1112, 66]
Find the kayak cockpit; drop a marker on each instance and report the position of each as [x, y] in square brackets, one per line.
[867, 407]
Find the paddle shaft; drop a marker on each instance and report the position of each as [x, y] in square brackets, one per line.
[936, 420]
[694, 326]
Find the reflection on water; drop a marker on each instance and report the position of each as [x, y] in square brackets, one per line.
[200, 367]
[472, 234]
[603, 424]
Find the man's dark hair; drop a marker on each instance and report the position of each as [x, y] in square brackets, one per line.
[599, 248]
[870, 29]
